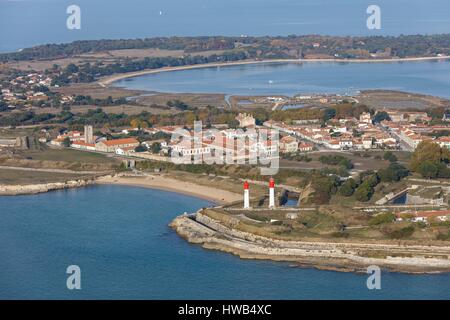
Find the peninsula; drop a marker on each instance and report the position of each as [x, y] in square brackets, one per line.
[362, 178]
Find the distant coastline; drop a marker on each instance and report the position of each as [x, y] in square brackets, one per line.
[106, 81]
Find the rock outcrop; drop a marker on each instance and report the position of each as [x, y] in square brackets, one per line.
[341, 256]
[11, 190]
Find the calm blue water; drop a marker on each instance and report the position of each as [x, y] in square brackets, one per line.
[427, 77]
[120, 239]
[24, 23]
[292, 106]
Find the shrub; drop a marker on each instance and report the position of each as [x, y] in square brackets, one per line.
[348, 187]
[382, 218]
[402, 233]
[389, 156]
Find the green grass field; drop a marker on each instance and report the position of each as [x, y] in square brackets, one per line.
[68, 155]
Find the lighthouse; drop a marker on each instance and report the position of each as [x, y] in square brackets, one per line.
[246, 196]
[271, 193]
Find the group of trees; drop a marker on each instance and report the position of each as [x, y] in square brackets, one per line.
[363, 187]
[291, 46]
[366, 189]
[298, 114]
[430, 160]
[337, 160]
[381, 116]
[88, 100]
[347, 110]
[88, 72]
[325, 186]
[180, 105]
[208, 116]
[390, 156]
[3, 106]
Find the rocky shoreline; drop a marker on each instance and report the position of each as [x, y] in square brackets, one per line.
[14, 190]
[338, 256]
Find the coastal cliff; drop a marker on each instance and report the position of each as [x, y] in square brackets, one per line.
[12, 190]
[340, 256]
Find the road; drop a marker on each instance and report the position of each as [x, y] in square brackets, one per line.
[67, 171]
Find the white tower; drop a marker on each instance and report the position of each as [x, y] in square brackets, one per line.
[88, 134]
[271, 193]
[246, 196]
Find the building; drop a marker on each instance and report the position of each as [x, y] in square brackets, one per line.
[7, 143]
[365, 117]
[367, 143]
[89, 134]
[288, 144]
[346, 143]
[58, 142]
[417, 116]
[245, 120]
[113, 145]
[305, 147]
[424, 216]
[125, 151]
[444, 142]
[189, 148]
[83, 145]
[446, 117]
[396, 116]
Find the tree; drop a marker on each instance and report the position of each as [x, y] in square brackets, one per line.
[324, 187]
[364, 193]
[348, 187]
[66, 142]
[366, 189]
[3, 106]
[138, 123]
[395, 172]
[156, 147]
[71, 68]
[430, 160]
[140, 148]
[428, 169]
[382, 218]
[380, 116]
[390, 156]
[178, 105]
[328, 114]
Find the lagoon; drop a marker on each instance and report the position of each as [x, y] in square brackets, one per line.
[426, 77]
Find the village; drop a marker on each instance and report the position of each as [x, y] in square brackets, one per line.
[32, 90]
[403, 131]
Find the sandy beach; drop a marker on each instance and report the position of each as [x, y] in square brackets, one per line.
[162, 182]
[110, 79]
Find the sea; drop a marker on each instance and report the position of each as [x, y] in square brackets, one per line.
[25, 23]
[119, 238]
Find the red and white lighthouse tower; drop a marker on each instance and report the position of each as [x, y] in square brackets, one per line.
[271, 193]
[246, 195]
